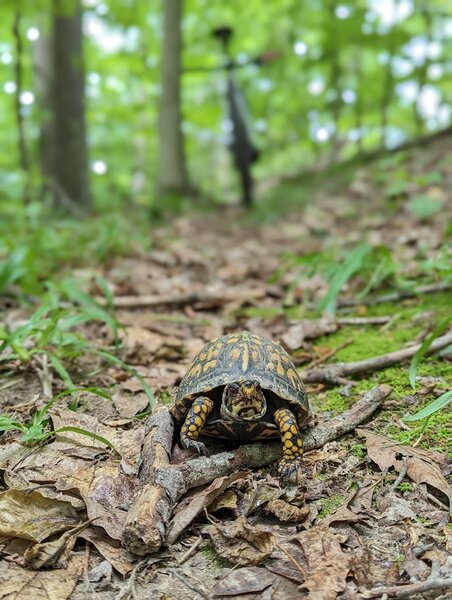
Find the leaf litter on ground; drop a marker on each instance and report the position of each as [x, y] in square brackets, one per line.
[198, 283]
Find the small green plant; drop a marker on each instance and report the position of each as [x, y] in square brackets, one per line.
[439, 329]
[52, 331]
[38, 430]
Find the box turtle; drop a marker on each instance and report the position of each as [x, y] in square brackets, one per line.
[242, 387]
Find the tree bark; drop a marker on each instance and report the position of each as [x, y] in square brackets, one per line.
[43, 73]
[172, 176]
[71, 152]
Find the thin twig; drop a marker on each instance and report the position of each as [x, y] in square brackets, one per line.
[329, 354]
[181, 300]
[408, 591]
[399, 295]
[400, 477]
[295, 563]
[186, 555]
[363, 320]
[199, 590]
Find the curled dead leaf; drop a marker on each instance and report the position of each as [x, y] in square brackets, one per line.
[56, 552]
[421, 465]
[328, 564]
[197, 503]
[286, 512]
[249, 580]
[242, 543]
[32, 516]
[228, 500]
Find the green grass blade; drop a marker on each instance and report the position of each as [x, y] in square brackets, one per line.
[351, 266]
[61, 370]
[431, 408]
[439, 329]
[85, 432]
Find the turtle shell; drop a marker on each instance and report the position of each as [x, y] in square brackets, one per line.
[233, 358]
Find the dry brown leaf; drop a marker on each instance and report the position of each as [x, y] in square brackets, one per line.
[56, 552]
[422, 465]
[127, 442]
[228, 500]
[328, 565]
[242, 543]
[128, 405]
[109, 549]
[32, 516]
[286, 512]
[249, 580]
[140, 345]
[18, 583]
[197, 503]
[104, 487]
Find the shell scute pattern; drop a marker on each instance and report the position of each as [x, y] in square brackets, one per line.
[234, 357]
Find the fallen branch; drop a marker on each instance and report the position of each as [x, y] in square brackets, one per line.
[399, 295]
[165, 484]
[203, 300]
[154, 502]
[363, 320]
[410, 590]
[335, 374]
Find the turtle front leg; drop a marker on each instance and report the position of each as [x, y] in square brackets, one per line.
[292, 446]
[194, 422]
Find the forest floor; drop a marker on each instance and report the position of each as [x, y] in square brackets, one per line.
[348, 266]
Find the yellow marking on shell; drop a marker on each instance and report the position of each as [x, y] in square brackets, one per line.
[270, 366]
[254, 355]
[195, 370]
[232, 340]
[292, 375]
[209, 365]
[284, 358]
[245, 358]
[235, 354]
[257, 340]
[203, 355]
[280, 369]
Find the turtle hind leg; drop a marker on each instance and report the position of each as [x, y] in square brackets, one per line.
[193, 424]
[292, 446]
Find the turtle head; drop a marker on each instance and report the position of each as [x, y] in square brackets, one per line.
[243, 400]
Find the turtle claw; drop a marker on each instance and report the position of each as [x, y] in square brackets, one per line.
[199, 447]
[289, 469]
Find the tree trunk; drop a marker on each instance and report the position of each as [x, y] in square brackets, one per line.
[172, 176]
[43, 72]
[71, 153]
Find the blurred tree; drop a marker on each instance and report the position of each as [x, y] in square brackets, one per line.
[43, 72]
[172, 173]
[70, 152]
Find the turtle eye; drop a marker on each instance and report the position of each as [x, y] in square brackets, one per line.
[233, 390]
[257, 385]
